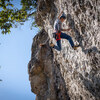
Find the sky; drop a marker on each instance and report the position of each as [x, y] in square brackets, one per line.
[15, 53]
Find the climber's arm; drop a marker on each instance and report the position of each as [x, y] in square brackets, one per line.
[60, 15]
[66, 29]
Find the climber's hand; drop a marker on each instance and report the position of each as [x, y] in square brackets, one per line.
[66, 29]
[69, 29]
[41, 45]
[61, 12]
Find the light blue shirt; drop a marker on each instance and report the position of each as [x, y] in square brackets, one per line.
[57, 25]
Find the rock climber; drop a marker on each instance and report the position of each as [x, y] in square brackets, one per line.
[60, 35]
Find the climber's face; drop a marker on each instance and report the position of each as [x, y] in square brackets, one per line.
[62, 20]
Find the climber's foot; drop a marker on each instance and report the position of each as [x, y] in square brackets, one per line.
[75, 47]
[51, 45]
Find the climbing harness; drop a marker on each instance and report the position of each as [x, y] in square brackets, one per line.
[58, 36]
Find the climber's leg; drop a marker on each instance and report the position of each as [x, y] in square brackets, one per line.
[65, 36]
[58, 47]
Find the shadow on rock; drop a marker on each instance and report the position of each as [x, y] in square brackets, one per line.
[60, 85]
[92, 85]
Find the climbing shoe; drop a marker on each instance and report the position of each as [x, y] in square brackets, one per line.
[75, 47]
[51, 45]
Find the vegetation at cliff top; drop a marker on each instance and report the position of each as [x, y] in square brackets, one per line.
[10, 16]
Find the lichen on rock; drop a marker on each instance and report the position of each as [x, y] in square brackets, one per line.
[68, 74]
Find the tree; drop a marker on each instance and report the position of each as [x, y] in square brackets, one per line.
[9, 15]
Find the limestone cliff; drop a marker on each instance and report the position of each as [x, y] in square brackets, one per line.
[69, 74]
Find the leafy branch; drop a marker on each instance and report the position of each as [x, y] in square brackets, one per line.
[9, 15]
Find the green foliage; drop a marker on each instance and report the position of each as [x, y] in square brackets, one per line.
[9, 15]
[29, 4]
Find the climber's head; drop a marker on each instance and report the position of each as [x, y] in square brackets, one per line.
[62, 18]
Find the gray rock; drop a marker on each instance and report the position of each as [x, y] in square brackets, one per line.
[69, 74]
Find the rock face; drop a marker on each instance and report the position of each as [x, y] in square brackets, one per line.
[69, 74]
